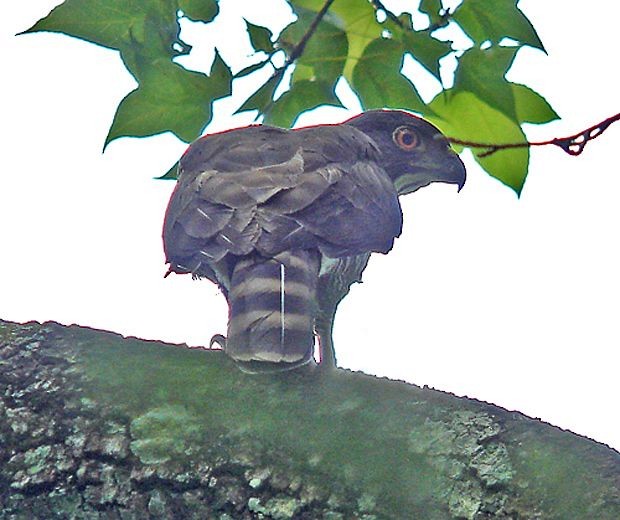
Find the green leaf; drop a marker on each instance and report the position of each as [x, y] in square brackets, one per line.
[357, 19]
[531, 106]
[482, 72]
[432, 8]
[464, 116]
[324, 54]
[302, 72]
[220, 72]
[169, 97]
[425, 49]
[303, 95]
[173, 99]
[483, 20]
[260, 37]
[171, 174]
[262, 97]
[113, 23]
[199, 10]
[251, 68]
[378, 82]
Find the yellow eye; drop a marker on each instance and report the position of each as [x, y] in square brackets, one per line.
[406, 138]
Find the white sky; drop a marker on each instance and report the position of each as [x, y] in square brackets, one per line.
[509, 301]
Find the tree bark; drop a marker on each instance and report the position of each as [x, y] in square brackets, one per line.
[94, 425]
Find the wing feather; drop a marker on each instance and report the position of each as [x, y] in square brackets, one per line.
[268, 190]
[203, 219]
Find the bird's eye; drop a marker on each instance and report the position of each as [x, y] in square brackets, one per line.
[406, 138]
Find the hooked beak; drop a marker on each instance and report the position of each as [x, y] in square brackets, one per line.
[450, 170]
[456, 173]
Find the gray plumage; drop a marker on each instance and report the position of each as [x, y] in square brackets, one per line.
[284, 221]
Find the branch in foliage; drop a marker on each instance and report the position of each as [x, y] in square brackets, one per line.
[572, 145]
[299, 48]
[295, 53]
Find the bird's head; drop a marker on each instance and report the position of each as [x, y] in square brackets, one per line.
[414, 153]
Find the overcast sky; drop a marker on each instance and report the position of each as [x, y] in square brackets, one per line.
[511, 301]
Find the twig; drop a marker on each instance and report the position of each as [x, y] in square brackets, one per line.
[572, 145]
[299, 48]
[295, 53]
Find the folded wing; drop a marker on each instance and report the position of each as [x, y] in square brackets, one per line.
[263, 190]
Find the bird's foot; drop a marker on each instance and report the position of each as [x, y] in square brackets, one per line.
[218, 339]
[327, 365]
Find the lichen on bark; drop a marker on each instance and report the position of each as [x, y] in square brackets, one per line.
[94, 425]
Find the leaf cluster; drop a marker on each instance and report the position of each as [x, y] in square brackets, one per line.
[358, 41]
[169, 97]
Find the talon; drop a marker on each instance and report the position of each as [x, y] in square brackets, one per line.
[220, 339]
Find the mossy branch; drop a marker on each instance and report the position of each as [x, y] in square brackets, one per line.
[96, 425]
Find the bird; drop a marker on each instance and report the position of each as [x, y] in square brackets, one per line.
[284, 222]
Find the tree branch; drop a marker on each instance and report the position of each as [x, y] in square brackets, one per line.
[98, 426]
[572, 144]
[299, 48]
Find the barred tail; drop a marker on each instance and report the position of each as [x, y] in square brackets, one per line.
[272, 310]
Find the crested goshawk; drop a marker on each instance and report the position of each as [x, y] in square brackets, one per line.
[284, 221]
